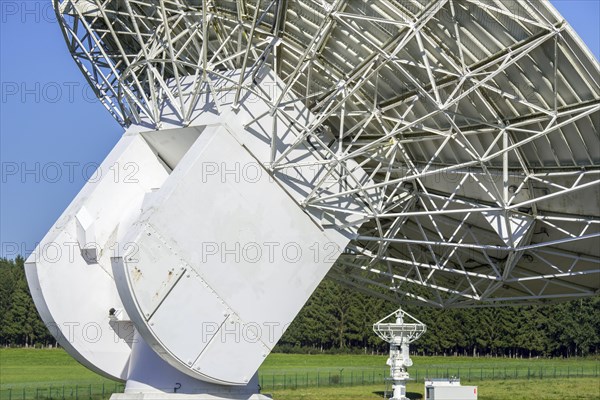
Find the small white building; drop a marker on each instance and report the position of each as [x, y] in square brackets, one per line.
[448, 389]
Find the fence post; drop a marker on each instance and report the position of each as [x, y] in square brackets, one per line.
[9, 393]
[318, 378]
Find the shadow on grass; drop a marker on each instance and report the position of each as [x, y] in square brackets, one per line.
[410, 395]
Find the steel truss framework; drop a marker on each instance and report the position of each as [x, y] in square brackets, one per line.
[478, 123]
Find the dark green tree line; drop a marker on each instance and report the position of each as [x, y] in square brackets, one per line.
[339, 319]
[20, 323]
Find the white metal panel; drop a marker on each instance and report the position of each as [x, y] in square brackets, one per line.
[171, 145]
[188, 318]
[159, 275]
[241, 344]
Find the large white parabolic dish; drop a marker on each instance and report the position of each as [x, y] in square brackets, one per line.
[451, 149]
[477, 120]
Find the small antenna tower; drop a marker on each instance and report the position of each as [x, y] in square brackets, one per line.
[399, 329]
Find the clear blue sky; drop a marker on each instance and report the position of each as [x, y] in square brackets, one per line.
[54, 119]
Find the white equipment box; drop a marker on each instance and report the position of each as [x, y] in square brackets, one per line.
[448, 389]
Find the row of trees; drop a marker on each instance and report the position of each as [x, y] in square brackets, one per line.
[337, 319]
[20, 324]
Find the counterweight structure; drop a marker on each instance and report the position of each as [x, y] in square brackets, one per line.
[443, 153]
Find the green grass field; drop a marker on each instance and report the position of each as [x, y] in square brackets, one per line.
[300, 376]
[20, 367]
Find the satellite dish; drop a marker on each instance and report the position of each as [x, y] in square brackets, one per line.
[399, 329]
[438, 152]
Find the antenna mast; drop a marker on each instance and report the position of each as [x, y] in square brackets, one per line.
[399, 334]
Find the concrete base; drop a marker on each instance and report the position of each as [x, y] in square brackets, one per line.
[151, 378]
[177, 396]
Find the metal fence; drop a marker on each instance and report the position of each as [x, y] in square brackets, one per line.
[314, 378]
[92, 391]
[356, 377]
